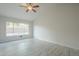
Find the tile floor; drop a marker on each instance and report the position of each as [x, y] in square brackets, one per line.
[33, 47]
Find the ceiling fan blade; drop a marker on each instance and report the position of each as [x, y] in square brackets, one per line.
[27, 10]
[36, 6]
[31, 3]
[33, 10]
[23, 6]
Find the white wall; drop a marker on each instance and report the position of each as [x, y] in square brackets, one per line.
[59, 24]
[3, 37]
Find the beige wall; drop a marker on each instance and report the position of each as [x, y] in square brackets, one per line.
[59, 24]
[3, 37]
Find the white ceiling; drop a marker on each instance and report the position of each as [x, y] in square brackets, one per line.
[13, 10]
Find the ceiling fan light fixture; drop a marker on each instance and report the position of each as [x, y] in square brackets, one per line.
[30, 7]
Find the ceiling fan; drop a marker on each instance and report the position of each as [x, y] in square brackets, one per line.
[30, 7]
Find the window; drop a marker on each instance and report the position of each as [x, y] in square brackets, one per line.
[13, 29]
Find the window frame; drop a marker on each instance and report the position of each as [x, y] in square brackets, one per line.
[19, 33]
